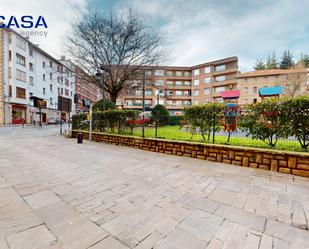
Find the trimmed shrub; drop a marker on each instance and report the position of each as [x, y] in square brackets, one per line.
[176, 119]
[297, 118]
[99, 105]
[160, 114]
[204, 117]
[110, 120]
[265, 121]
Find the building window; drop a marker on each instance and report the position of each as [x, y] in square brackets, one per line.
[61, 91]
[159, 72]
[196, 82]
[10, 55]
[10, 72]
[207, 91]
[20, 75]
[148, 92]
[178, 93]
[51, 101]
[207, 70]
[207, 80]
[178, 73]
[50, 64]
[246, 90]
[21, 43]
[10, 91]
[30, 80]
[58, 90]
[255, 89]
[220, 78]
[66, 92]
[219, 89]
[50, 76]
[67, 82]
[20, 93]
[196, 72]
[179, 83]
[51, 87]
[187, 83]
[169, 73]
[245, 80]
[43, 77]
[138, 92]
[159, 82]
[30, 94]
[148, 73]
[220, 68]
[187, 73]
[44, 91]
[31, 52]
[196, 92]
[169, 83]
[31, 67]
[43, 64]
[21, 60]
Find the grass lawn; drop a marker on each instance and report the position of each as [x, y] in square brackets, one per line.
[174, 133]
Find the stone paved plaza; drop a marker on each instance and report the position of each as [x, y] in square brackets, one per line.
[56, 194]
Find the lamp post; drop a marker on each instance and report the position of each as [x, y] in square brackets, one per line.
[143, 124]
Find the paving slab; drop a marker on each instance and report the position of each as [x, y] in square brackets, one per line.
[93, 195]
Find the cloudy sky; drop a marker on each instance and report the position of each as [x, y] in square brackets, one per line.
[197, 30]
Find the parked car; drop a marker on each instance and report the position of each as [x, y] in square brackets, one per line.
[53, 121]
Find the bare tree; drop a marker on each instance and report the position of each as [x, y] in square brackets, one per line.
[296, 82]
[120, 45]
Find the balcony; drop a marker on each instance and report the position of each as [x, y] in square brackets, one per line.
[186, 87]
[224, 82]
[226, 71]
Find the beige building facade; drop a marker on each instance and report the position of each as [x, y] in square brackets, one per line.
[179, 87]
[294, 82]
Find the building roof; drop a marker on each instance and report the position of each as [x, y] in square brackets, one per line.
[232, 94]
[269, 72]
[270, 91]
[258, 73]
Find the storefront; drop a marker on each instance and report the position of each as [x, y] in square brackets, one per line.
[19, 114]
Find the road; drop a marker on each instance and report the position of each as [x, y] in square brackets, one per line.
[57, 194]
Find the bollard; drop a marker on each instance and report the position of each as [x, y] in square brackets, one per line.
[79, 138]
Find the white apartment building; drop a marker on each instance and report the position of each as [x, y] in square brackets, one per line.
[28, 71]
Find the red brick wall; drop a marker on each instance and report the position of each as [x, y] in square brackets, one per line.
[280, 161]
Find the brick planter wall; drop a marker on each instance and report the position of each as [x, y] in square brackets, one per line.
[281, 161]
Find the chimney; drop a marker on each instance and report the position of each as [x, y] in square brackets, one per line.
[62, 57]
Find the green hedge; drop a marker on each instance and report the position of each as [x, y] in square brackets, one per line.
[176, 119]
[111, 120]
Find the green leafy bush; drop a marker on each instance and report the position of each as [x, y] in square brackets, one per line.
[297, 118]
[176, 119]
[161, 115]
[110, 120]
[99, 105]
[203, 118]
[265, 121]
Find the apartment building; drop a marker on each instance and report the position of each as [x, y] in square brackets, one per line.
[178, 87]
[85, 90]
[210, 79]
[294, 82]
[28, 71]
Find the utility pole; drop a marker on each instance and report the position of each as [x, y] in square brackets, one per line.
[90, 122]
[143, 124]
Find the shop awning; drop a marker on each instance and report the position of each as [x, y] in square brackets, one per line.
[270, 91]
[231, 94]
